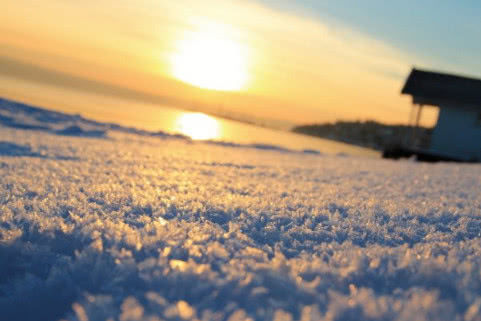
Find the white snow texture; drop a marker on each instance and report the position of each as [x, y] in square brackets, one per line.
[102, 222]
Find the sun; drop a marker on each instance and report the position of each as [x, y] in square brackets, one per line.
[210, 60]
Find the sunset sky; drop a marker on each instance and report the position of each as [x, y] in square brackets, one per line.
[302, 61]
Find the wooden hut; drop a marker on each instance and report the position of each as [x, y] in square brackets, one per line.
[457, 133]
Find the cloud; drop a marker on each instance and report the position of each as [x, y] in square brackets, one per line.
[319, 69]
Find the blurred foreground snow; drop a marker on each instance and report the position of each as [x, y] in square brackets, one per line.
[103, 222]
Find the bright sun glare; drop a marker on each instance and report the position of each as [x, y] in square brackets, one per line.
[198, 126]
[211, 60]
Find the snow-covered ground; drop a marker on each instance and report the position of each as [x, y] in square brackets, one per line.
[99, 222]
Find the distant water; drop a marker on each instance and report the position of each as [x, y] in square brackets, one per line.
[165, 118]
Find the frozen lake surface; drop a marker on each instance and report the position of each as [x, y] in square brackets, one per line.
[166, 118]
[101, 221]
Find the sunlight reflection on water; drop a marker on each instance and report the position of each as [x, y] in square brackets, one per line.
[198, 126]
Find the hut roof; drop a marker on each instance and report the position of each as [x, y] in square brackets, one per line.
[433, 88]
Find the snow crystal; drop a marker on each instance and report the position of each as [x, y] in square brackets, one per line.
[130, 226]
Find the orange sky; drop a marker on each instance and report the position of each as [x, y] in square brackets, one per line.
[298, 69]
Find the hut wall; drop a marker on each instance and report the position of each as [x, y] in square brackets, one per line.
[458, 132]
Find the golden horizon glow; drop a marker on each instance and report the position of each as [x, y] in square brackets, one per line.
[211, 60]
[260, 61]
[198, 126]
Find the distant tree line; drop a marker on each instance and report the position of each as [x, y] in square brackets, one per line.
[367, 133]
